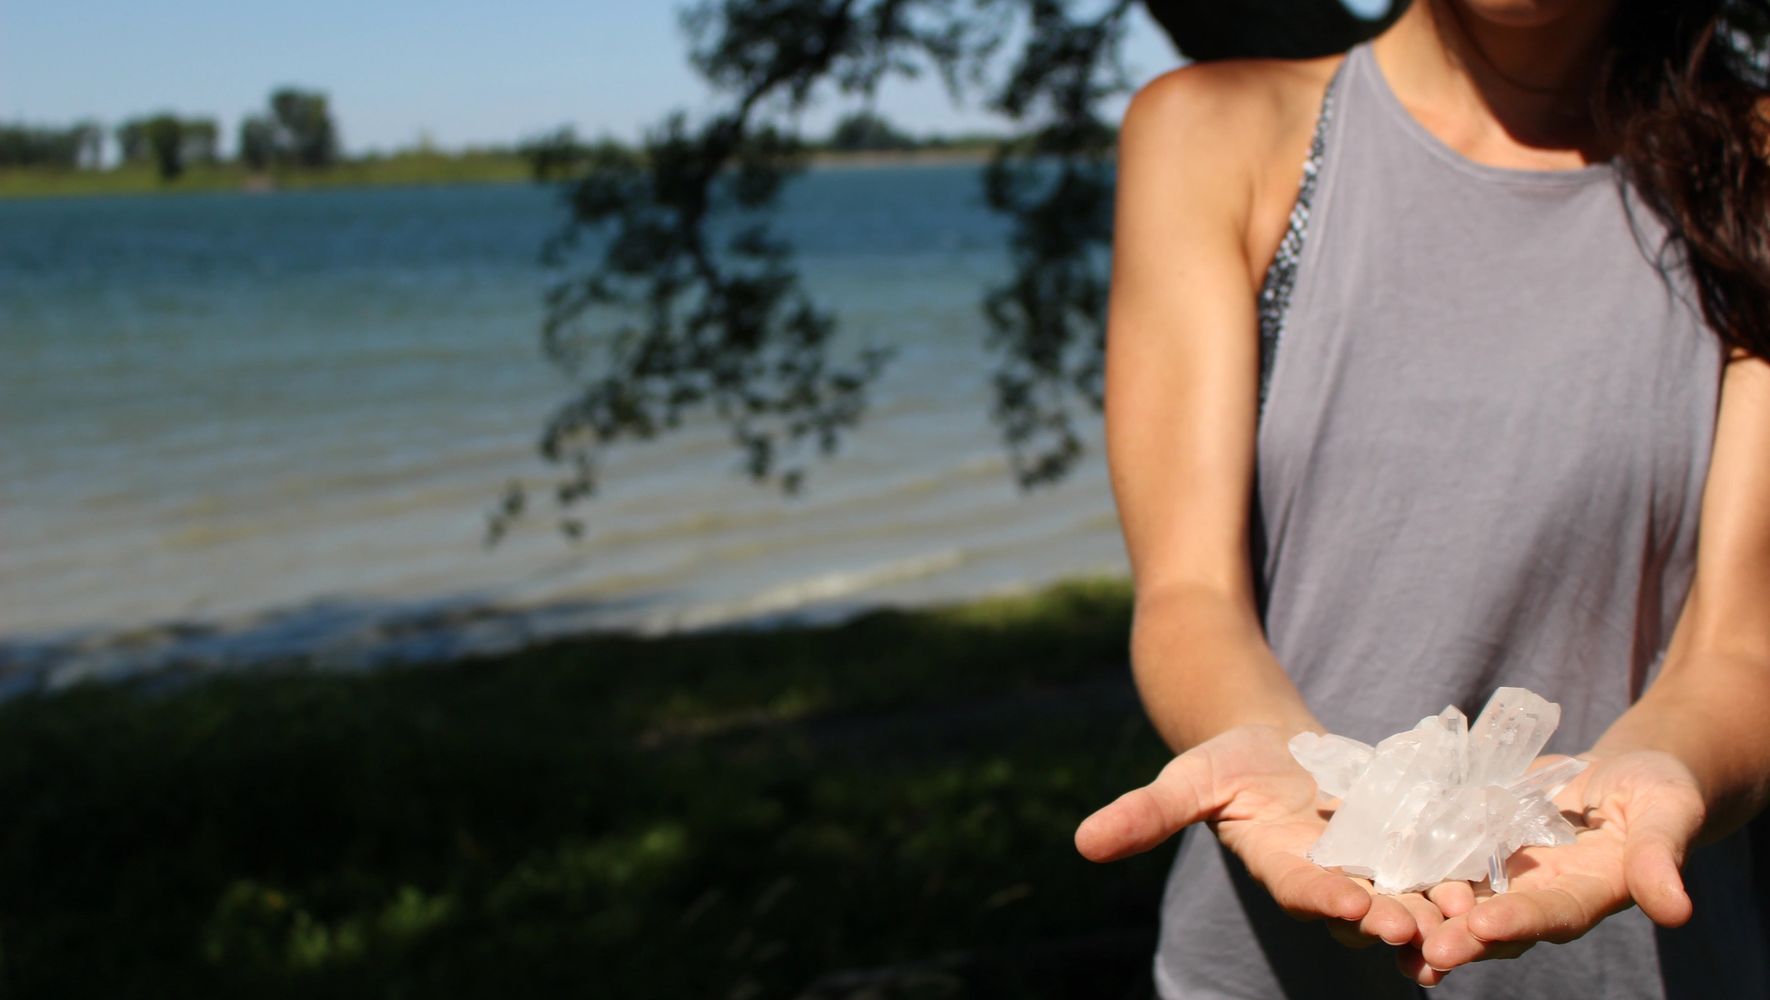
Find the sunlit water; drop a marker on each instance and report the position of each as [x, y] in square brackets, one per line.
[240, 428]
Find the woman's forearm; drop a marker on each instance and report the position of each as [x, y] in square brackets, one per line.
[1710, 705]
[1203, 666]
[1712, 712]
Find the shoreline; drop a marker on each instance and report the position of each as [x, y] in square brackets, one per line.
[433, 634]
[967, 156]
[20, 184]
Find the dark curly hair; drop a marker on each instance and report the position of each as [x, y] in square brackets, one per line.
[1683, 99]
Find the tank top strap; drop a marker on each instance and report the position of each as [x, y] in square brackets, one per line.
[1281, 273]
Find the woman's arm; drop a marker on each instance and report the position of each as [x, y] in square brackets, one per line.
[1182, 364]
[1182, 380]
[1710, 705]
[1688, 762]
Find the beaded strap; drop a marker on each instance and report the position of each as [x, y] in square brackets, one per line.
[1281, 274]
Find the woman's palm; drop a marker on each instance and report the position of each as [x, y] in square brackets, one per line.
[1640, 811]
[1263, 807]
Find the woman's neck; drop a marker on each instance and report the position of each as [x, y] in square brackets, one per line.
[1532, 81]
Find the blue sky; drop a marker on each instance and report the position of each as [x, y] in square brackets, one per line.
[455, 71]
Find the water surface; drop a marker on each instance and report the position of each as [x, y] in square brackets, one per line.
[241, 427]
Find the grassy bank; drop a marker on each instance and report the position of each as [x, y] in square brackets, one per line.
[405, 169]
[881, 808]
[140, 178]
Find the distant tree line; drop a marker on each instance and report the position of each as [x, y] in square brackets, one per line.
[561, 153]
[295, 130]
[864, 131]
[72, 147]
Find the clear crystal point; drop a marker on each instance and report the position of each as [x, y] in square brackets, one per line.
[1508, 735]
[1497, 879]
[1444, 800]
[1335, 761]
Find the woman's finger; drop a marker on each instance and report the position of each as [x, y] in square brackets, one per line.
[1347, 935]
[1398, 921]
[1144, 817]
[1387, 921]
[1452, 945]
[1559, 912]
[1412, 965]
[1453, 899]
[1423, 914]
[1391, 920]
[1505, 926]
[1652, 854]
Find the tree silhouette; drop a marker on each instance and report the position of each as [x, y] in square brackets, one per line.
[68, 147]
[258, 142]
[867, 131]
[664, 319]
[298, 131]
[171, 142]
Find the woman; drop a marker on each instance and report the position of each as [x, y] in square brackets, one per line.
[1515, 328]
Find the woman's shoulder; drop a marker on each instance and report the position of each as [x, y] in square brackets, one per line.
[1253, 107]
[1231, 135]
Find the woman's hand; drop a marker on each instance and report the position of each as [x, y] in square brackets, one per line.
[1641, 810]
[1262, 805]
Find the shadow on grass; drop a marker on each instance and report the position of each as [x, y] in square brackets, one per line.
[881, 808]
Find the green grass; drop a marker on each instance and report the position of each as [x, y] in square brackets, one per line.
[884, 806]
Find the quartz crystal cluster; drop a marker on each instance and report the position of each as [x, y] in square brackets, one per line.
[1444, 801]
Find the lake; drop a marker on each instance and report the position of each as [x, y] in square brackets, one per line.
[243, 428]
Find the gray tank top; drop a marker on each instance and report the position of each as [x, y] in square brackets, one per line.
[1486, 428]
